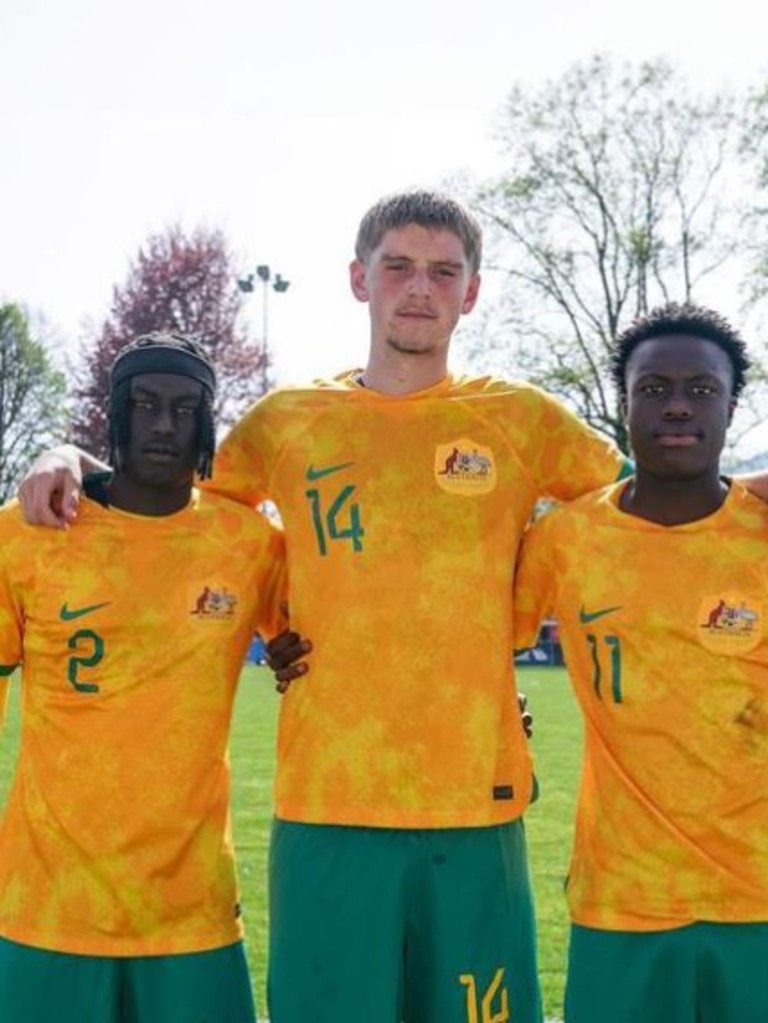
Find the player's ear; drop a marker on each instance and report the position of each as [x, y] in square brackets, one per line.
[731, 409]
[470, 296]
[358, 280]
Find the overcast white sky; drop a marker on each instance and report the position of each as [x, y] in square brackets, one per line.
[280, 122]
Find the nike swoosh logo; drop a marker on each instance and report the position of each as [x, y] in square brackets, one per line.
[68, 615]
[317, 474]
[592, 616]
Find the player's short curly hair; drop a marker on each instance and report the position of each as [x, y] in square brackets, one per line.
[681, 318]
[162, 352]
[432, 210]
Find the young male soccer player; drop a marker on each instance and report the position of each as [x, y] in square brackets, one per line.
[399, 888]
[659, 588]
[118, 896]
[398, 878]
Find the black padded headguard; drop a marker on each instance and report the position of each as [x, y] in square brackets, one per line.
[162, 352]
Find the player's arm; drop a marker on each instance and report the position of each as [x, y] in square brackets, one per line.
[535, 581]
[240, 468]
[11, 626]
[566, 457]
[50, 492]
[285, 647]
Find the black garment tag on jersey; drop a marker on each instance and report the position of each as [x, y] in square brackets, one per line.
[503, 792]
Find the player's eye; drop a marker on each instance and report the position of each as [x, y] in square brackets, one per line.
[186, 410]
[143, 405]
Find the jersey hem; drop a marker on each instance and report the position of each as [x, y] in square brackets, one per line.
[635, 925]
[357, 818]
[121, 948]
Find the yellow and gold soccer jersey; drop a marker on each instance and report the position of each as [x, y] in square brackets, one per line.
[131, 631]
[664, 635]
[403, 517]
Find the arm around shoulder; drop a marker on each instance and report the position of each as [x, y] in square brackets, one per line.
[50, 492]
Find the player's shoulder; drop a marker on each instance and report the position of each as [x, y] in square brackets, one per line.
[501, 388]
[285, 404]
[231, 518]
[12, 519]
[750, 510]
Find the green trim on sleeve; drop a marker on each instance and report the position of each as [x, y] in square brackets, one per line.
[627, 469]
[8, 669]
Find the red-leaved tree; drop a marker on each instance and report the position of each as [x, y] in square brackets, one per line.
[181, 283]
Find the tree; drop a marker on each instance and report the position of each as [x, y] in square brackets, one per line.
[180, 283]
[619, 196]
[32, 399]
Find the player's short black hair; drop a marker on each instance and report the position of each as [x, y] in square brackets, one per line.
[433, 210]
[681, 318]
[162, 352]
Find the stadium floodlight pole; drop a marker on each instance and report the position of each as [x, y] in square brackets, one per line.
[279, 284]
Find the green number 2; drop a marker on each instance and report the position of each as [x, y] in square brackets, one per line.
[613, 644]
[90, 650]
[328, 527]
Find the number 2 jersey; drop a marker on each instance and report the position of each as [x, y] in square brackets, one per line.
[663, 630]
[402, 517]
[131, 631]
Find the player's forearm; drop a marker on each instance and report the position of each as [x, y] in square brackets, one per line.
[50, 491]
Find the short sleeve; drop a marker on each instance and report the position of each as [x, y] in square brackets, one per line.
[568, 458]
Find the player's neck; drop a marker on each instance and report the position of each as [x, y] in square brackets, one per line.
[132, 496]
[395, 373]
[672, 502]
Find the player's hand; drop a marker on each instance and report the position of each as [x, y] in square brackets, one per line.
[525, 715]
[50, 492]
[284, 654]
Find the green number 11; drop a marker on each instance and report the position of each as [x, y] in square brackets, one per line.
[612, 643]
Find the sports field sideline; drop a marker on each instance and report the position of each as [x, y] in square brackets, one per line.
[557, 750]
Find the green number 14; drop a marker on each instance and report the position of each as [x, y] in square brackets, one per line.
[330, 526]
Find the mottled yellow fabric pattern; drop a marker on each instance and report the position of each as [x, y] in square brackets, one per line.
[132, 631]
[403, 517]
[664, 635]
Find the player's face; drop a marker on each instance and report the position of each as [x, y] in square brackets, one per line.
[417, 284]
[163, 445]
[679, 405]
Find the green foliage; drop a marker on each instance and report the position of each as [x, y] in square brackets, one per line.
[556, 747]
[617, 196]
[32, 411]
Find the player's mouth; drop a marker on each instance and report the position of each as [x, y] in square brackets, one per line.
[417, 314]
[160, 453]
[678, 440]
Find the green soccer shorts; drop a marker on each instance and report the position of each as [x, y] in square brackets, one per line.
[387, 925]
[38, 986]
[700, 973]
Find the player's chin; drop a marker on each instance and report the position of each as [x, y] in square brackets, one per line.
[414, 344]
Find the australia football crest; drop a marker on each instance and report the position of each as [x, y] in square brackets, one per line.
[730, 622]
[213, 603]
[465, 467]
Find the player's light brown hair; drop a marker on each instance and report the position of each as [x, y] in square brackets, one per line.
[432, 210]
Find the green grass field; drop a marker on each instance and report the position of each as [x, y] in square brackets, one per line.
[557, 748]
